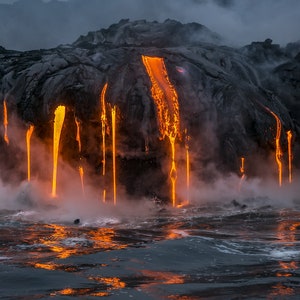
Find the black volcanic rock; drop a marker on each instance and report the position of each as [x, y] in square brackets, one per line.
[225, 97]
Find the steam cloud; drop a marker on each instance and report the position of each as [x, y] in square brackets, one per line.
[50, 23]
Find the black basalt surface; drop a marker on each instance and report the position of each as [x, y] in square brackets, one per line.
[225, 95]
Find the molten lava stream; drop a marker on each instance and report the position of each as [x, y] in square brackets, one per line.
[58, 123]
[80, 168]
[103, 127]
[5, 122]
[78, 139]
[290, 154]
[81, 174]
[278, 151]
[242, 171]
[28, 137]
[187, 162]
[113, 122]
[167, 109]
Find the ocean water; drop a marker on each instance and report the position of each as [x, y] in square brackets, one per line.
[227, 250]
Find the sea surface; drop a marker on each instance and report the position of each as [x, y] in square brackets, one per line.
[233, 250]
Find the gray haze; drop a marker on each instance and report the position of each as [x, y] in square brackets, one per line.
[34, 24]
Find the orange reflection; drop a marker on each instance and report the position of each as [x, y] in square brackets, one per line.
[167, 109]
[114, 283]
[28, 137]
[159, 277]
[286, 233]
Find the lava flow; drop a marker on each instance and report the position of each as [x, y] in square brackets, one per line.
[28, 137]
[278, 151]
[187, 159]
[80, 168]
[113, 122]
[290, 155]
[167, 109]
[242, 172]
[58, 123]
[5, 122]
[103, 125]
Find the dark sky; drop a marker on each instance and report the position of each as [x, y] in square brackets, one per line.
[33, 24]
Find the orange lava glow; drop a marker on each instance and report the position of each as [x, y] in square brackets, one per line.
[103, 127]
[290, 154]
[5, 122]
[187, 160]
[286, 233]
[81, 174]
[58, 123]
[78, 139]
[242, 172]
[103, 124]
[113, 122]
[278, 151]
[167, 109]
[28, 137]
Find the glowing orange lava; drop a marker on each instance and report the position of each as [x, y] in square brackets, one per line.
[58, 123]
[81, 174]
[103, 125]
[167, 109]
[187, 159]
[78, 139]
[290, 154]
[80, 168]
[5, 122]
[28, 137]
[242, 171]
[113, 122]
[278, 151]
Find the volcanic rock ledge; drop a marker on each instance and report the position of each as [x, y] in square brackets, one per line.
[226, 96]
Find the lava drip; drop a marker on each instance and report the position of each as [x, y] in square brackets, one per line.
[242, 172]
[167, 109]
[58, 123]
[28, 137]
[5, 122]
[290, 154]
[278, 151]
[80, 168]
[103, 127]
[113, 122]
[187, 160]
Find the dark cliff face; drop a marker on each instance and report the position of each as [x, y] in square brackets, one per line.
[225, 97]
